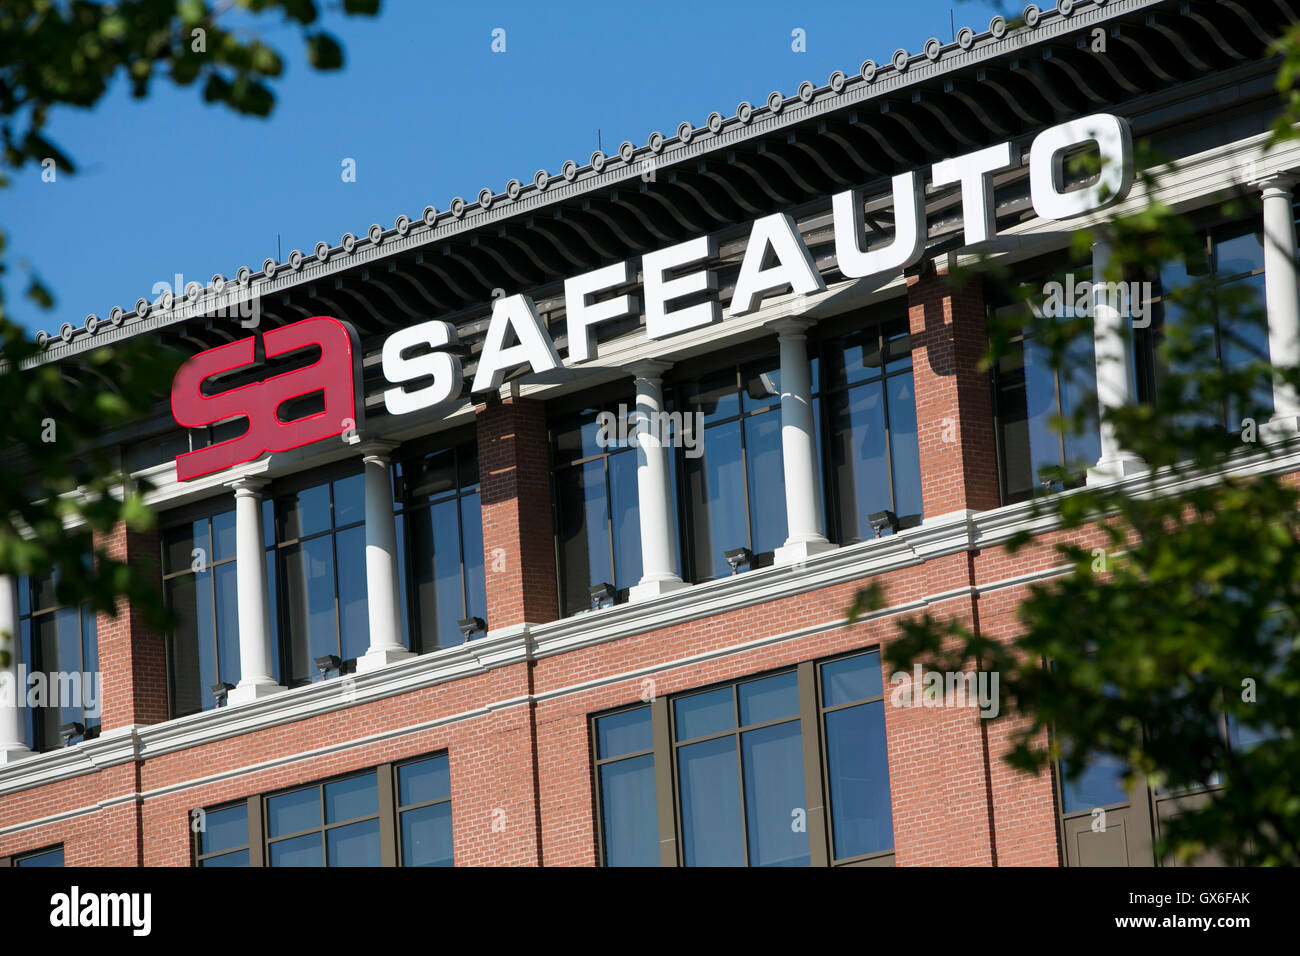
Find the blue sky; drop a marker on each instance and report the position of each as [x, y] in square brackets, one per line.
[171, 185]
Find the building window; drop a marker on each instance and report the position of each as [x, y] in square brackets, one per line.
[1030, 395]
[222, 840]
[1231, 257]
[625, 777]
[51, 856]
[424, 812]
[392, 815]
[201, 589]
[61, 643]
[439, 520]
[856, 761]
[331, 824]
[741, 765]
[740, 776]
[320, 543]
[597, 522]
[733, 492]
[871, 445]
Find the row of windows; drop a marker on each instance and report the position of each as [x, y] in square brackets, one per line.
[788, 768]
[1029, 394]
[315, 558]
[393, 815]
[728, 480]
[744, 770]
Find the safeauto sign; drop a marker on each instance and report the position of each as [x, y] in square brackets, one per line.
[774, 238]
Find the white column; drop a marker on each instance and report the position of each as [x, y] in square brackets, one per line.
[255, 634]
[382, 595]
[12, 692]
[803, 499]
[654, 492]
[1282, 296]
[1112, 346]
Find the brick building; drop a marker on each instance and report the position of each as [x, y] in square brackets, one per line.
[557, 569]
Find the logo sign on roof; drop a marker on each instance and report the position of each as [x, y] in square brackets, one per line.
[423, 370]
[335, 375]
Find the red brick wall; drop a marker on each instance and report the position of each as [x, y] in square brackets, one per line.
[132, 659]
[954, 405]
[514, 468]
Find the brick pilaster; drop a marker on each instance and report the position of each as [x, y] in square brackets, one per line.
[954, 407]
[132, 659]
[515, 488]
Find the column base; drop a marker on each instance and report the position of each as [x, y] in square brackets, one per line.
[645, 590]
[797, 552]
[1113, 469]
[1280, 428]
[247, 693]
[381, 657]
[14, 754]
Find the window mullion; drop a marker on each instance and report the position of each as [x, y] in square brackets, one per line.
[740, 773]
[212, 602]
[387, 816]
[609, 523]
[1060, 410]
[664, 790]
[324, 825]
[338, 605]
[815, 818]
[256, 833]
[744, 476]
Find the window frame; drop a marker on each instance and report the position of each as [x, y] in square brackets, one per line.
[598, 761]
[606, 400]
[169, 521]
[389, 813]
[403, 508]
[831, 335]
[27, 649]
[1211, 237]
[676, 400]
[15, 860]
[399, 808]
[325, 826]
[197, 857]
[667, 778]
[275, 494]
[736, 731]
[1001, 296]
[876, 857]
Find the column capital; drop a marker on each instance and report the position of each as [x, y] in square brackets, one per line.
[1277, 183]
[247, 486]
[651, 370]
[377, 448]
[790, 325]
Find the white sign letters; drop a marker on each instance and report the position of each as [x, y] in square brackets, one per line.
[678, 288]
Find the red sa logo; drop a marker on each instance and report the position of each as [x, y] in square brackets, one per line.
[335, 374]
